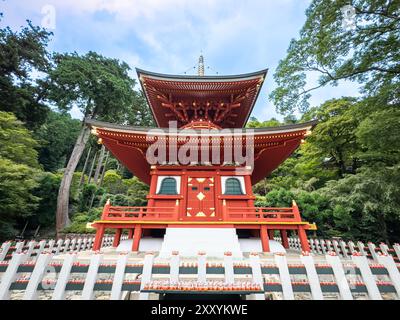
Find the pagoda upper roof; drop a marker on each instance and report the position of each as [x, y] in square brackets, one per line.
[226, 100]
[272, 145]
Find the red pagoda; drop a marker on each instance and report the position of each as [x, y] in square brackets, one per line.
[208, 114]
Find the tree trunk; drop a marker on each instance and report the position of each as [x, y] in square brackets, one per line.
[62, 218]
[92, 167]
[104, 169]
[99, 165]
[85, 166]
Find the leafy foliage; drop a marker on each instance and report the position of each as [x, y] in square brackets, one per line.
[368, 54]
[21, 54]
[57, 137]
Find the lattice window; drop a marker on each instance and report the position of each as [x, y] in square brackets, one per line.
[233, 186]
[168, 186]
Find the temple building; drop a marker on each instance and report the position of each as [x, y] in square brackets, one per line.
[200, 181]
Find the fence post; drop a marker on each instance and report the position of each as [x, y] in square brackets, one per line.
[63, 277]
[119, 276]
[31, 247]
[372, 250]
[257, 274]
[37, 276]
[66, 245]
[368, 278]
[73, 243]
[59, 246]
[11, 274]
[51, 245]
[79, 245]
[394, 274]
[336, 247]
[340, 276]
[344, 249]
[323, 246]
[146, 275]
[312, 245]
[329, 245]
[228, 268]
[4, 250]
[361, 248]
[384, 248]
[91, 276]
[84, 243]
[318, 246]
[351, 247]
[90, 243]
[19, 246]
[312, 276]
[396, 248]
[42, 245]
[201, 267]
[287, 289]
[174, 267]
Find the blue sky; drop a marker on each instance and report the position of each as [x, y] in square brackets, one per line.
[168, 36]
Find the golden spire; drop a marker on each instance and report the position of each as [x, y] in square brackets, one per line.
[200, 69]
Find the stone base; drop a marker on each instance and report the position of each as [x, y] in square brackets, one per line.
[189, 241]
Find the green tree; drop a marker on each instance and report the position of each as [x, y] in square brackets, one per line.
[102, 89]
[368, 54]
[22, 54]
[19, 172]
[333, 140]
[16, 142]
[57, 137]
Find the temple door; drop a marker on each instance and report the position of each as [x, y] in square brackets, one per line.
[200, 199]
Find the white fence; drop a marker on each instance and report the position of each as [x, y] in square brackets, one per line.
[33, 248]
[286, 277]
[346, 249]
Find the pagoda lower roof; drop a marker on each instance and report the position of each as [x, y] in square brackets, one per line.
[225, 100]
[272, 145]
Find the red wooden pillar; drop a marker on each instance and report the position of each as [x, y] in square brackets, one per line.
[264, 238]
[117, 237]
[284, 237]
[303, 239]
[136, 237]
[271, 234]
[130, 234]
[98, 238]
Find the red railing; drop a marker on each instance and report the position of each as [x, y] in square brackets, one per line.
[262, 213]
[139, 213]
[290, 214]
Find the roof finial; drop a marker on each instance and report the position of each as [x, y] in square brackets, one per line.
[200, 69]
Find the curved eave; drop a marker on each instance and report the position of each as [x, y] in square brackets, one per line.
[272, 145]
[163, 76]
[309, 125]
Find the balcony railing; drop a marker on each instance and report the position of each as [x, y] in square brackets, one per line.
[139, 213]
[262, 214]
